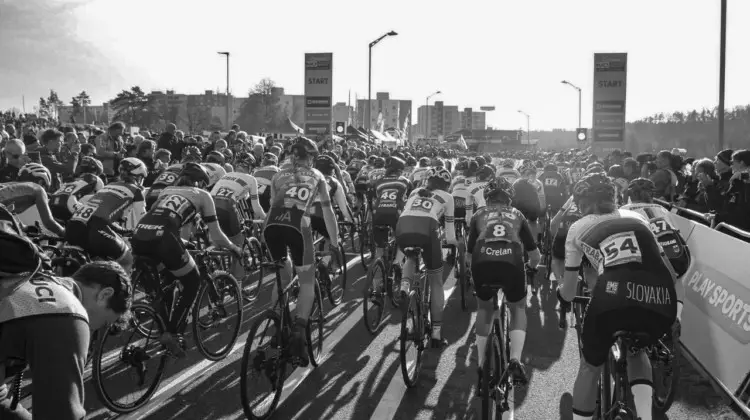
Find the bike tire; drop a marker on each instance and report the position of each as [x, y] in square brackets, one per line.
[225, 283]
[335, 295]
[394, 280]
[662, 404]
[253, 361]
[316, 322]
[97, 371]
[463, 281]
[491, 371]
[413, 312]
[366, 246]
[373, 321]
[254, 250]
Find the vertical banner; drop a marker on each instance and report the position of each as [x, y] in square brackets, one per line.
[318, 93]
[610, 87]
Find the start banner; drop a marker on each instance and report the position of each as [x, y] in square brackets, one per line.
[716, 313]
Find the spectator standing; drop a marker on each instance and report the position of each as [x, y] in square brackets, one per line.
[51, 144]
[168, 140]
[716, 188]
[665, 181]
[737, 205]
[11, 130]
[14, 160]
[108, 145]
[215, 136]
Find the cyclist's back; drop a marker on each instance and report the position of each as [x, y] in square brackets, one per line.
[64, 201]
[164, 180]
[554, 187]
[264, 175]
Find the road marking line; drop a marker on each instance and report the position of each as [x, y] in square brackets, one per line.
[175, 385]
[391, 400]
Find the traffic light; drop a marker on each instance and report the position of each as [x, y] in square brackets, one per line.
[340, 127]
[582, 134]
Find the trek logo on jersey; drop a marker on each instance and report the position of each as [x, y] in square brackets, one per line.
[724, 300]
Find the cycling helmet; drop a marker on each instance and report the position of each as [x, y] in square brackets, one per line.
[371, 159]
[94, 180]
[508, 163]
[550, 167]
[498, 186]
[90, 165]
[378, 163]
[245, 159]
[424, 162]
[411, 161]
[640, 185]
[325, 164]
[438, 163]
[439, 174]
[462, 165]
[594, 170]
[36, 173]
[480, 161]
[396, 164]
[526, 167]
[191, 154]
[616, 171]
[595, 186]
[215, 172]
[304, 148]
[485, 173]
[358, 154]
[270, 159]
[133, 168]
[215, 157]
[195, 173]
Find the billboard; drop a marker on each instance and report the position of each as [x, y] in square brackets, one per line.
[318, 93]
[610, 87]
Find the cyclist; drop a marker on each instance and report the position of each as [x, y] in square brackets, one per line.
[529, 194]
[94, 226]
[27, 198]
[632, 290]
[508, 172]
[499, 235]
[559, 226]
[356, 164]
[390, 193]
[377, 172]
[640, 193]
[326, 165]
[288, 225]
[411, 163]
[617, 173]
[466, 178]
[227, 194]
[420, 173]
[475, 196]
[554, 187]
[419, 226]
[215, 173]
[46, 323]
[158, 237]
[65, 200]
[170, 175]
[269, 168]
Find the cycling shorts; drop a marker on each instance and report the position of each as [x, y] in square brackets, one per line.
[96, 238]
[161, 244]
[626, 299]
[229, 216]
[558, 244]
[499, 265]
[531, 213]
[422, 232]
[265, 199]
[288, 228]
[383, 217]
[61, 212]
[318, 224]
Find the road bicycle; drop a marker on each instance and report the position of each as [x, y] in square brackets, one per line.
[383, 281]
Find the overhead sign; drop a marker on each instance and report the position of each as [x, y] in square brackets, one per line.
[318, 93]
[610, 87]
[487, 108]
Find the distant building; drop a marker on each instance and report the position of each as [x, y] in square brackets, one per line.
[342, 112]
[441, 120]
[394, 112]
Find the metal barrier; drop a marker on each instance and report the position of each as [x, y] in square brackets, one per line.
[702, 218]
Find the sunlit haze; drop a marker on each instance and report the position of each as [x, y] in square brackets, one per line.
[510, 54]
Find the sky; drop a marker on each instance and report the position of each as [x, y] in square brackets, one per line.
[509, 54]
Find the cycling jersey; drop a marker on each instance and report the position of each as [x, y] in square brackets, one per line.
[227, 193]
[263, 176]
[663, 227]
[509, 173]
[355, 165]
[475, 199]
[165, 179]
[570, 215]
[419, 224]
[417, 177]
[498, 238]
[28, 202]
[554, 189]
[461, 192]
[634, 290]
[338, 199]
[375, 175]
[390, 197]
[64, 201]
[526, 198]
[288, 223]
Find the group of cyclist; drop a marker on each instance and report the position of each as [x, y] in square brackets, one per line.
[634, 254]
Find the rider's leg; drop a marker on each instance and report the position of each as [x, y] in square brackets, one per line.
[237, 270]
[485, 310]
[641, 382]
[437, 301]
[584, 391]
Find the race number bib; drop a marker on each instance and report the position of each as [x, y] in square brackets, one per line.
[550, 182]
[497, 231]
[84, 212]
[167, 178]
[66, 189]
[459, 202]
[620, 248]
[301, 193]
[224, 192]
[659, 226]
[388, 195]
[422, 204]
[175, 203]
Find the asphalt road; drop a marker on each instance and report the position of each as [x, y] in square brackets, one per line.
[360, 376]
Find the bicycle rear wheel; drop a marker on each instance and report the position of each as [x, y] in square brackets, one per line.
[114, 365]
[463, 281]
[217, 316]
[411, 340]
[314, 329]
[336, 284]
[252, 251]
[373, 301]
[665, 372]
[262, 362]
[491, 371]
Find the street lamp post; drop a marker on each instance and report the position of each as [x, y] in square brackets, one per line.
[565, 82]
[369, 82]
[427, 112]
[229, 104]
[528, 126]
[722, 70]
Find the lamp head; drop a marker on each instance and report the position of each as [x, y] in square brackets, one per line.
[392, 33]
